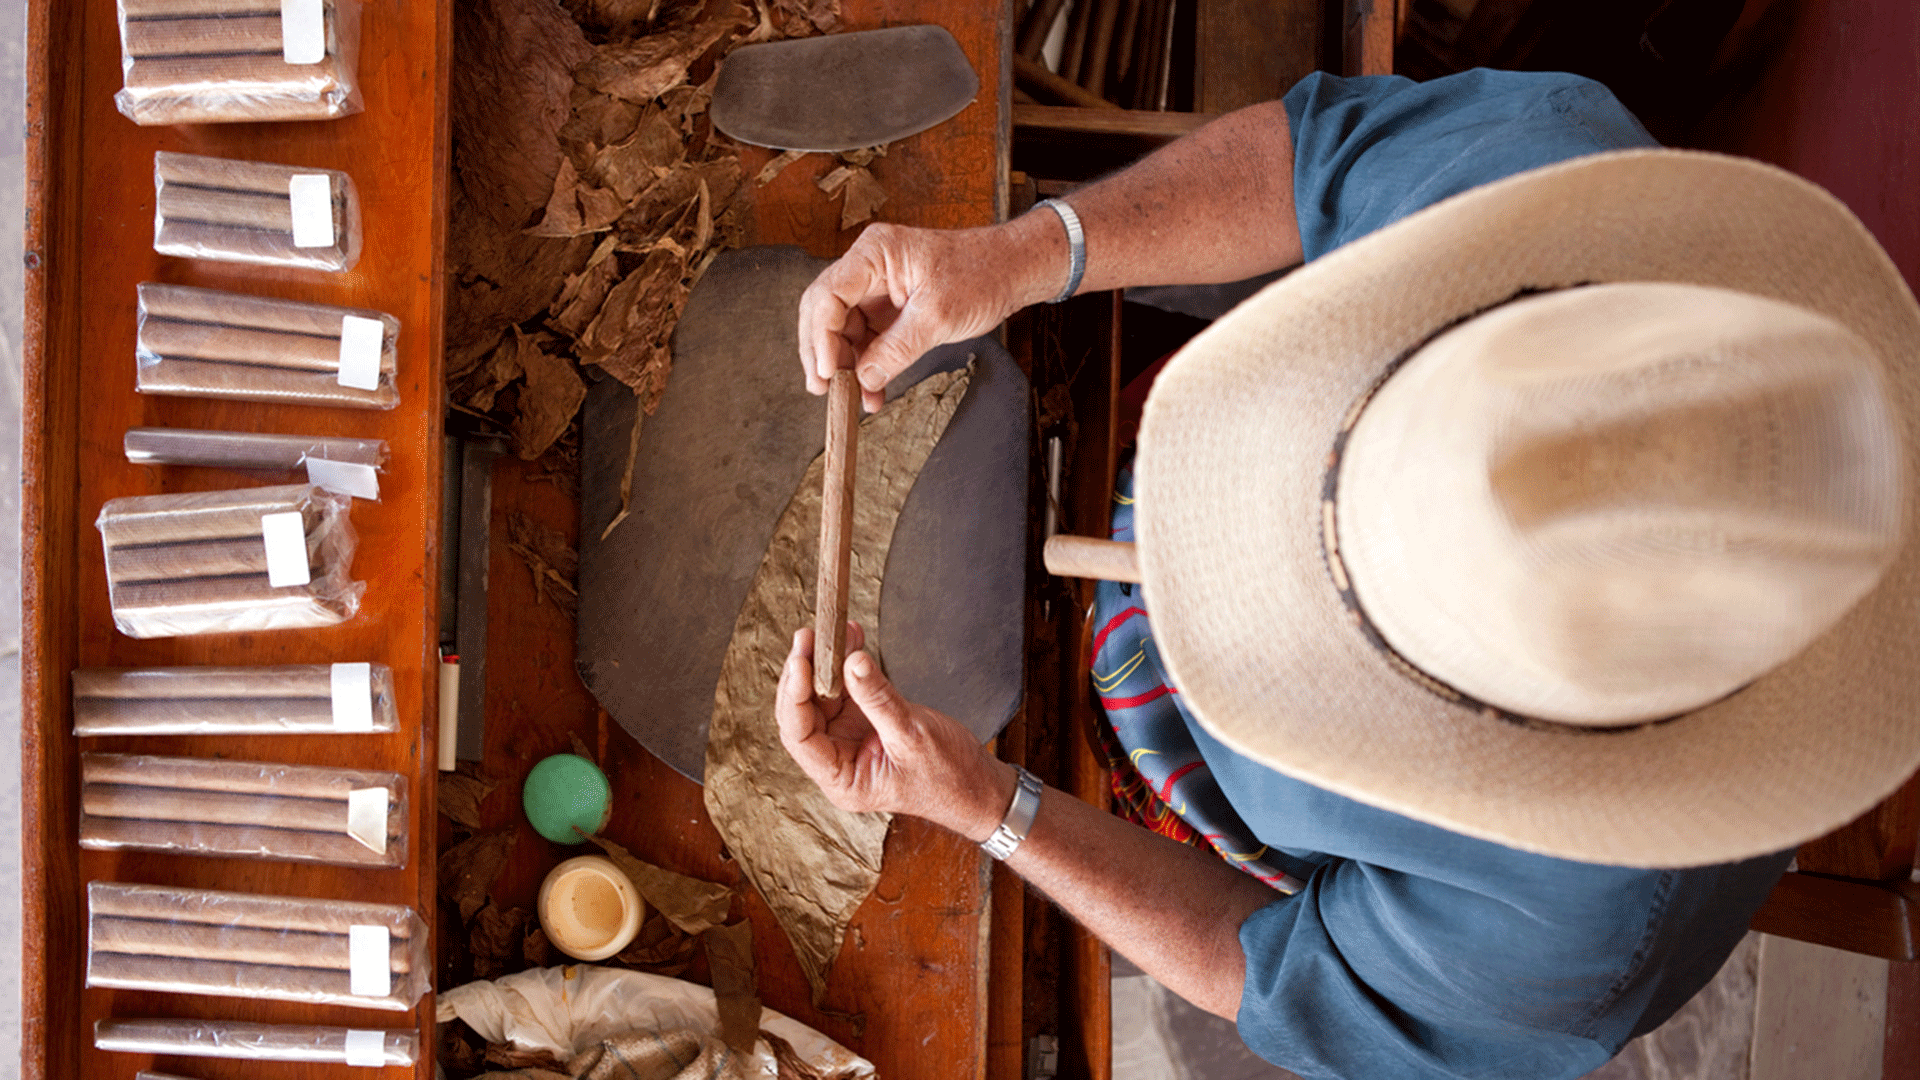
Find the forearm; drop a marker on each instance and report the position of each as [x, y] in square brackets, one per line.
[1172, 909]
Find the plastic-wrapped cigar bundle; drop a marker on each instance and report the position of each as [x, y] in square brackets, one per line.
[215, 61]
[228, 944]
[258, 1042]
[294, 699]
[216, 562]
[243, 809]
[205, 343]
[348, 466]
[253, 212]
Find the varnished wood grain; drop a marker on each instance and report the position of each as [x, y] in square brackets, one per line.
[92, 191]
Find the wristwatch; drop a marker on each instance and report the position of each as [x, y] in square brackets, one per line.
[1019, 820]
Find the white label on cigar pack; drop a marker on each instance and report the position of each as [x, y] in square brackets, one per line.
[367, 818]
[303, 31]
[346, 477]
[286, 537]
[368, 974]
[312, 197]
[353, 697]
[360, 342]
[366, 1049]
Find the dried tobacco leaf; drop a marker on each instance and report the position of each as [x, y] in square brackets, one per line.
[535, 947]
[552, 396]
[460, 794]
[552, 561]
[598, 120]
[735, 990]
[644, 68]
[629, 167]
[860, 197]
[660, 947]
[495, 940]
[580, 299]
[772, 169]
[692, 905]
[813, 863]
[629, 338]
[468, 869]
[576, 206]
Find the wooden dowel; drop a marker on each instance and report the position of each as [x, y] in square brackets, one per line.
[168, 975]
[249, 382]
[1035, 74]
[226, 34]
[1036, 25]
[308, 782]
[188, 304]
[282, 681]
[213, 206]
[1123, 50]
[244, 909]
[1078, 23]
[244, 345]
[168, 9]
[209, 515]
[836, 535]
[232, 944]
[1093, 73]
[214, 808]
[113, 834]
[1085, 557]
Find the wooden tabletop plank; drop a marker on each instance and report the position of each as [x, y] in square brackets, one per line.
[91, 236]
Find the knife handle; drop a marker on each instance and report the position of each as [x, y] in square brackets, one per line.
[836, 536]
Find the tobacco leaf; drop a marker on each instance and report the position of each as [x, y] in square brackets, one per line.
[735, 991]
[660, 947]
[580, 748]
[862, 157]
[630, 336]
[597, 120]
[776, 166]
[690, 904]
[552, 561]
[552, 396]
[580, 299]
[642, 69]
[791, 1066]
[664, 202]
[812, 862]
[535, 948]
[796, 18]
[468, 869]
[460, 794]
[860, 197]
[629, 167]
[495, 940]
[577, 207]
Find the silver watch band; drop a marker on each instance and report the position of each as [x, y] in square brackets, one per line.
[1076, 247]
[1019, 820]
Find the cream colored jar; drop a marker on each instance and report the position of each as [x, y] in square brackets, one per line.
[589, 908]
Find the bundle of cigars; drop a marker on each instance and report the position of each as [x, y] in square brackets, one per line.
[205, 343]
[214, 562]
[243, 809]
[219, 61]
[232, 944]
[279, 699]
[257, 1042]
[254, 212]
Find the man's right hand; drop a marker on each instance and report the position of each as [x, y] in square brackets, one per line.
[900, 291]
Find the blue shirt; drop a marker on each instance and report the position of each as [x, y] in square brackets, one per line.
[1413, 952]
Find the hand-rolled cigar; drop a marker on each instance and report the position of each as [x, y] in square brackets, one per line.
[120, 971]
[223, 34]
[216, 716]
[228, 606]
[243, 841]
[213, 206]
[149, 1074]
[267, 681]
[246, 909]
[231, 243]
[185, 303]
[247, 382]
[246, 450]
[209, 515]
[195, 559]
[174, 9]
[238, 1039]
[198, 170]
[231, 944]
[213, 807]
[245, 345]
[311, 782]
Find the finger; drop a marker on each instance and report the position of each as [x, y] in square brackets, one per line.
[856, 637]
[841, 288]
[876, 695]
[793, 697]
[894, 350]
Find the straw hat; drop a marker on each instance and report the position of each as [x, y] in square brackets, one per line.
[1569, 513]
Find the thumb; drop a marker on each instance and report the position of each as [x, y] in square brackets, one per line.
[876, 695]
[895, 349]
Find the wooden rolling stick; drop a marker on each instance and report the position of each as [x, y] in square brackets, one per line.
[836, 536]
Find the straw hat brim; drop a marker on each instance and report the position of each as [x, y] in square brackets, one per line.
[1233, 448]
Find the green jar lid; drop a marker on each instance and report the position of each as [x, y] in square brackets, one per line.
[567, 792]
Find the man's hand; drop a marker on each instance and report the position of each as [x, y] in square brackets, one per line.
[898, 292]
[874, 750]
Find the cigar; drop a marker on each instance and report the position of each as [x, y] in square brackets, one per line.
[245, 345]
[281, 681]
[232, 174]
[165, 9]
[212, 716]
[185, 303]
[202, 838]
[195, 559]
[245, 450]
[207, 515]
[231, 243]
[231, 944]
[179, 203]
[237, 1039]
[214, 101]
[120, 971]
[247, 382]
[215, 808]
[245, 909]
[236, 777]
[225, 34]
[225, 606]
